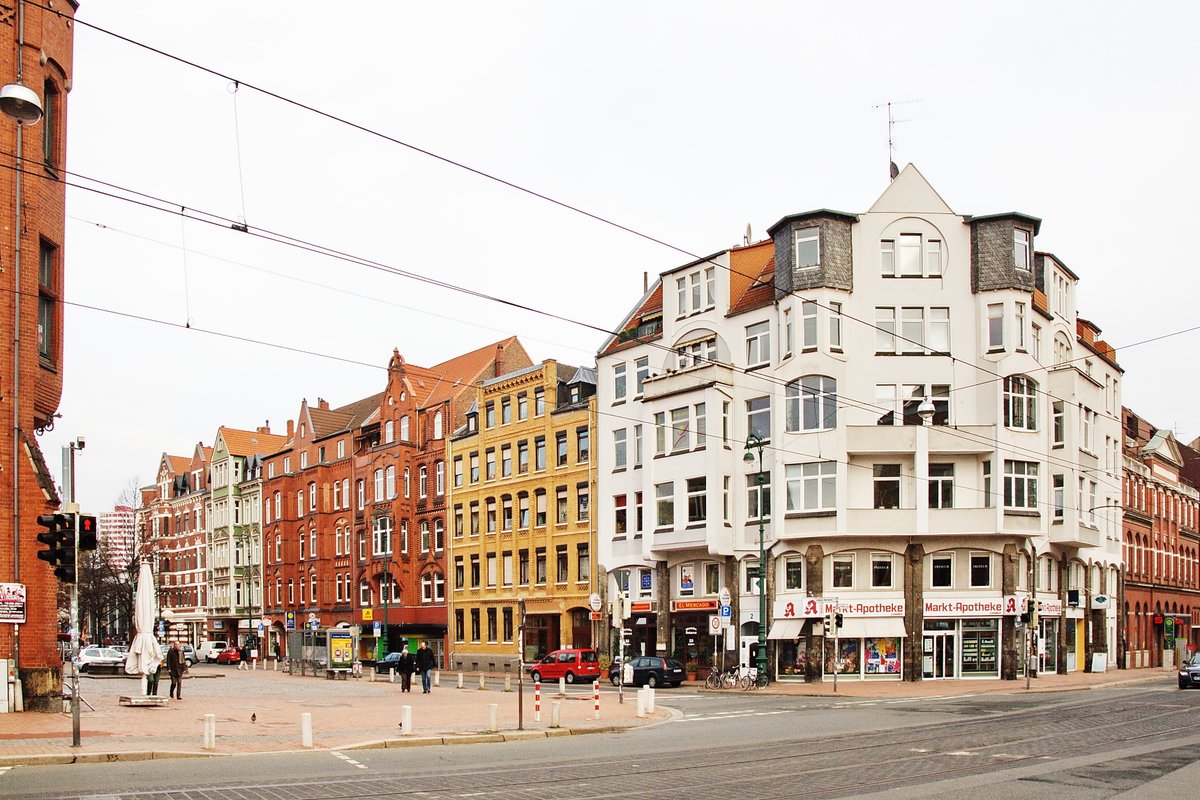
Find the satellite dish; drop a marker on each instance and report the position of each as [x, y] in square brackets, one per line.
[747, 239]
[895, 170]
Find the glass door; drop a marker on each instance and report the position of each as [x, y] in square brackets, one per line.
[937, 656]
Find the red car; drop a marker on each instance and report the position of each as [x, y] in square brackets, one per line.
[229, 655]
[571, 664]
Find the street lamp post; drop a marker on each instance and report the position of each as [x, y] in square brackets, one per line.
[756, 442]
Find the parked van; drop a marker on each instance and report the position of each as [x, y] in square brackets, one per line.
[571, 664]
[209, 650]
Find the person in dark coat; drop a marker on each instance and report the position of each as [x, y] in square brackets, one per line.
[407, 666]
[425, 664]
[152, 680]
[175, 667]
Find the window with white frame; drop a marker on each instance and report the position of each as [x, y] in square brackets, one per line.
[758, 491]
[921, 330]
[389, 431]
[842, 567]
[941, 572]
[641, 373]
[1059, 423]
[1021, 248]
[381, 531]
[886, 485]
[440, 478]
[404, 429]
[995, 326]
[807, 248]
[881, 570]
[378, 485]
[981, 570]
[808, 325]
[835, 327]
[1020, 484]
[697, 500]
[811, 404]
[1087, 437]
[758, 417]
[664, 498]
[812, 486]
[941, 486]
[1019, 322]
[758, 344]
[619, 381]
[911, 255]
[900, 403]
[619, 448]
[793, 573]
[1059, 483]
[1020, 403]
[699, 353]
[750, 572]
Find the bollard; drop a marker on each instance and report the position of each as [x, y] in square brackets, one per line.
[649, 699]
[537, 701]
[508, 683]
[210, 731]
[562, 687]
[596, 694]
[306, 730]
[371, 676]
[482, 681]
[406, 720]
[641, 703]
[555, 718]
[437, 677]
[460, 680]
[391, 675]
[275, 665]
[493, 717]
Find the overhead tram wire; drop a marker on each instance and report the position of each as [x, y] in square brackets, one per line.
[159, 204]
[515, 186]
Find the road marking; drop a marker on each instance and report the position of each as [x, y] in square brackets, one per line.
[4, 770]
[735, 715]
[348, 759]
[962, 753]
[917, 750]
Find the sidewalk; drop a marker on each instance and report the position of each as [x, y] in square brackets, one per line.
[260, 711]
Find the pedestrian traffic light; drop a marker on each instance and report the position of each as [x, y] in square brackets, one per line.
[837, 618]
[87, 532]
[59, 537]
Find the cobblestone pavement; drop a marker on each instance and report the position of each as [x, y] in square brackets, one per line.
[260, 711]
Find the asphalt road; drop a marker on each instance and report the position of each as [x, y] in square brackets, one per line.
[1127, 743]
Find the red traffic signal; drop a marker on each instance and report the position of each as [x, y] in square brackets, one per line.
[87, 532]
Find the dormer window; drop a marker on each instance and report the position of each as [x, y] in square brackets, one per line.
[808, 248]
[1021, 249]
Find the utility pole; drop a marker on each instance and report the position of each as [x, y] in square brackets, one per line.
[72, 509]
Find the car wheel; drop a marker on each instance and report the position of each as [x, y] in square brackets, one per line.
[1182, 685]
[616, 680]
[652, 680]
[537, 676]
[570, 676]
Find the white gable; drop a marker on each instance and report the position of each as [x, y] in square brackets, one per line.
[910, 193]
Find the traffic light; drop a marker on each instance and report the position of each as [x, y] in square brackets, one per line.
[829, 624]
[87, 532]
[59, 537]
[837, 618]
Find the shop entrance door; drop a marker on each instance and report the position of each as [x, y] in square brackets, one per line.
[937, 655]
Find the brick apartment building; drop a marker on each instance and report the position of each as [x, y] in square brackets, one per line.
[31, 314]
[354, 505]
[1162, 545]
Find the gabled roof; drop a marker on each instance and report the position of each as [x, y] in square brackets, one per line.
[176, 464]
[250, 443]
[650, 305]
[448, 379]
[910, 193]
[1163, 445]
[751, 277]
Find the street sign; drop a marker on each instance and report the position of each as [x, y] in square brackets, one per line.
[724, 598]
[378, 626]
[260, 629]
[594, 602]
[714, 624]
[290, 617]
[726, 610]
[368, 614]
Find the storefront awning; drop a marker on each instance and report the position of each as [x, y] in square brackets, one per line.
[786, 629]
[871, 627]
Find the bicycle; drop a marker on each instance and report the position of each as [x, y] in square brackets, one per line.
[722, 680]
[752, 679]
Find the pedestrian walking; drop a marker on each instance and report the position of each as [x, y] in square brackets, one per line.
[152, 681]
[407, 666]
[175, 667]
[425, 665]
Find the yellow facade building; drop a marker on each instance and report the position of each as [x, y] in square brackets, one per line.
[521, 487]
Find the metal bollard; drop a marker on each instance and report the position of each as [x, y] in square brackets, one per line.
[596, 694]
[641, 703]
[493, 717]
[306, 730]
[210, 731]
[562, 687]
[482, 681]
[555, 715]
[391, 675]
[275, 665]
[508, 683]
[371, 676]
[437, 677]
[537, 701]
[649, 699]
[460, 680]
[406, 720]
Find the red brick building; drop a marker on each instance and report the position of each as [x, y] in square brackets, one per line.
[354, 507]
[31, 318]
[1161, 543]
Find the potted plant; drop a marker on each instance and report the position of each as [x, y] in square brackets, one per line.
[691, 668]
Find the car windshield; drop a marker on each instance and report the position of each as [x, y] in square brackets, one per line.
[1195, 662]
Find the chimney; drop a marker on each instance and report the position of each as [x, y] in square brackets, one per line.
[264, 428]
[322, 403]
[291, 428]
[645, 282]
[498, 366]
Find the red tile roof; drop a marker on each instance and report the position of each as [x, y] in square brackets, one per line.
[751, 277]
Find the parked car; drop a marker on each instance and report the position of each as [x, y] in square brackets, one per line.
[390, 661]
[208, 650]
[96, 659]
[1189, 673]
[571, 664]
[650, 671]
[189, 653]
[230, 655]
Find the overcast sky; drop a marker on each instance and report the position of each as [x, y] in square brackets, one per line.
[686, 121]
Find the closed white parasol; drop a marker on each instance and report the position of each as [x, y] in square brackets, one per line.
[144, 653]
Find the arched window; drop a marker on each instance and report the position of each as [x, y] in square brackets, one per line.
[1020, 403]
[811, 404]
[437, 425]
[389, 432]
[404, 430]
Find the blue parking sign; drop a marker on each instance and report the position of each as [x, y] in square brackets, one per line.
[726, 611]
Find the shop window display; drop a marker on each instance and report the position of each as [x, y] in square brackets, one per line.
[793, 657]
[846, 659]
[881, 656]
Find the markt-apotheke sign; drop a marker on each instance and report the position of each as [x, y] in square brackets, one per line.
[965, 607]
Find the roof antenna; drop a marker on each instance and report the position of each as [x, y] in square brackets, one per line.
[893, 170]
